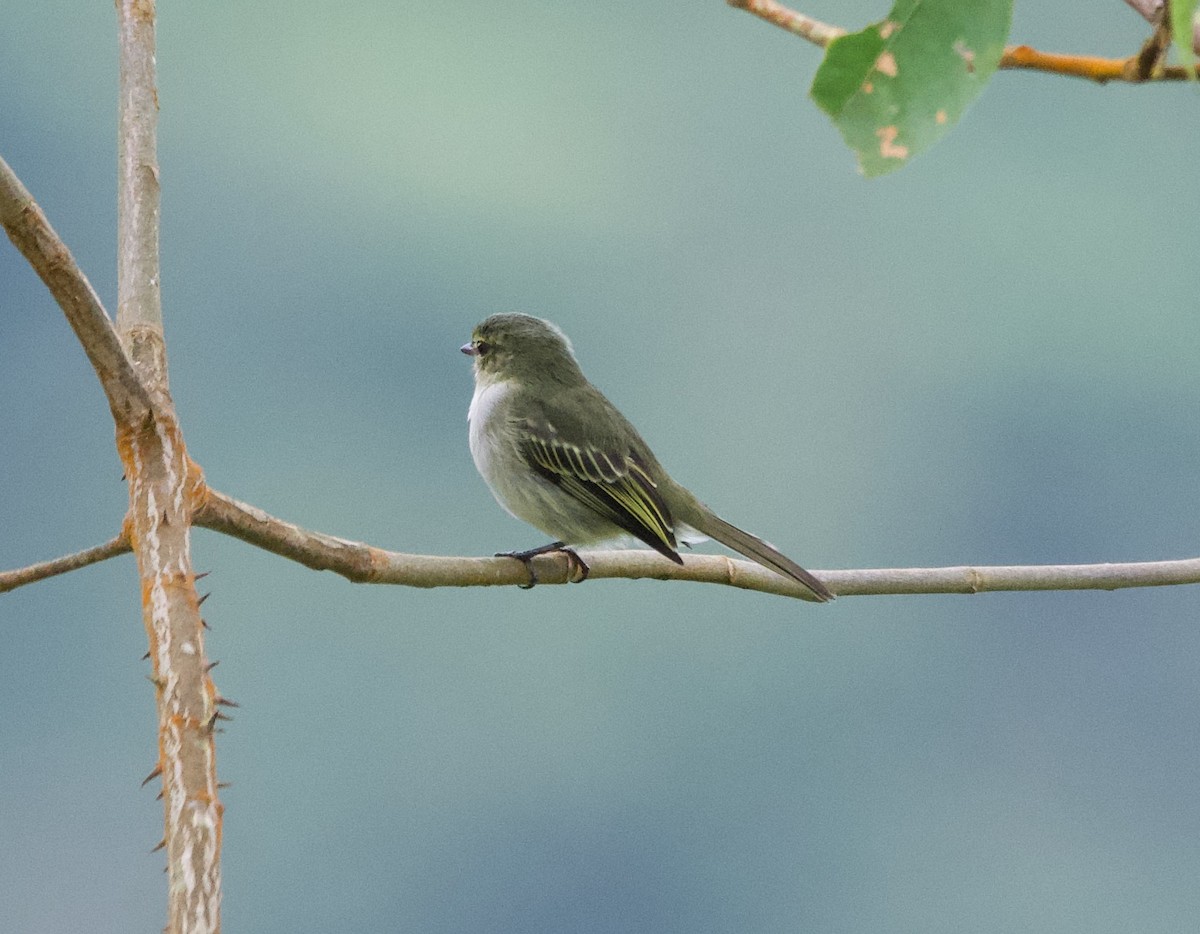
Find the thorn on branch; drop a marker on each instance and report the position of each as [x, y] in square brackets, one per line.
[160, 845]
[226, 702]
[153, 775]
[200, 602]
[213, 664]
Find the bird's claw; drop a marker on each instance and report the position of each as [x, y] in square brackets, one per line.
[526, 558]
[576, 564]
[577, 569]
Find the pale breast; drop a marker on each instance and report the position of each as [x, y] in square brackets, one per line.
[516, 486]
[486, 409]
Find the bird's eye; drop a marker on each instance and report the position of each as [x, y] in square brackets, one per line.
[482, 347]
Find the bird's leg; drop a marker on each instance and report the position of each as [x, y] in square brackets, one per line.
[526, 558]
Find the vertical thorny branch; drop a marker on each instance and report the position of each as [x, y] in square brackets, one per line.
[163, 487]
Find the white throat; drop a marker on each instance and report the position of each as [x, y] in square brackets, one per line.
[488, 392]
[485, 417]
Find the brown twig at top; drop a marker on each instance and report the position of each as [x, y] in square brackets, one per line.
[18, 577]
[1154, 50]
[806, 27]
[1152, 12]
[1016, 57]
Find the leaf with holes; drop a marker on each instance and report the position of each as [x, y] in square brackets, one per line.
[894, 89]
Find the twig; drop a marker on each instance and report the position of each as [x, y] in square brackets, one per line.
[32, 234]
[139, 298]
[369, 565]
[18, 577]
[1151, 11]
[805, 27]
[366, 564]
[363, 563]
[970, 580]
[1015, 57]
[1153, 51]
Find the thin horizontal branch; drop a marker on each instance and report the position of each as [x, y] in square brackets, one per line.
[1017, 57]
[366, 564]
[32, 234]
[1091, 67]
[11, 580]
[984, 579]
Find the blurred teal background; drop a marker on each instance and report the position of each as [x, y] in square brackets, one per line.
[990, 357]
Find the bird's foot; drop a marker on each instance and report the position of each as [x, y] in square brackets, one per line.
[577, 569]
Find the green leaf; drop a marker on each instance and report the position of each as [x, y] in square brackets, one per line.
[1182, 14]
[895, 88]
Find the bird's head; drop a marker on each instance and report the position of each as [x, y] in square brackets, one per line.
[516, 346]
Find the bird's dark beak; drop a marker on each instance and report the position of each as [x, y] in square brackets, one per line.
[469, 349]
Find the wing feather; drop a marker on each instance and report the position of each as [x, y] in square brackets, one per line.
[616, 484]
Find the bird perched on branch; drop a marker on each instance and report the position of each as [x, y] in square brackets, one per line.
[557, 454]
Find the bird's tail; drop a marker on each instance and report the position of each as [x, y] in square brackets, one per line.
[703, 520]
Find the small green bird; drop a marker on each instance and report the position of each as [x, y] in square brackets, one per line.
[557, 454]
